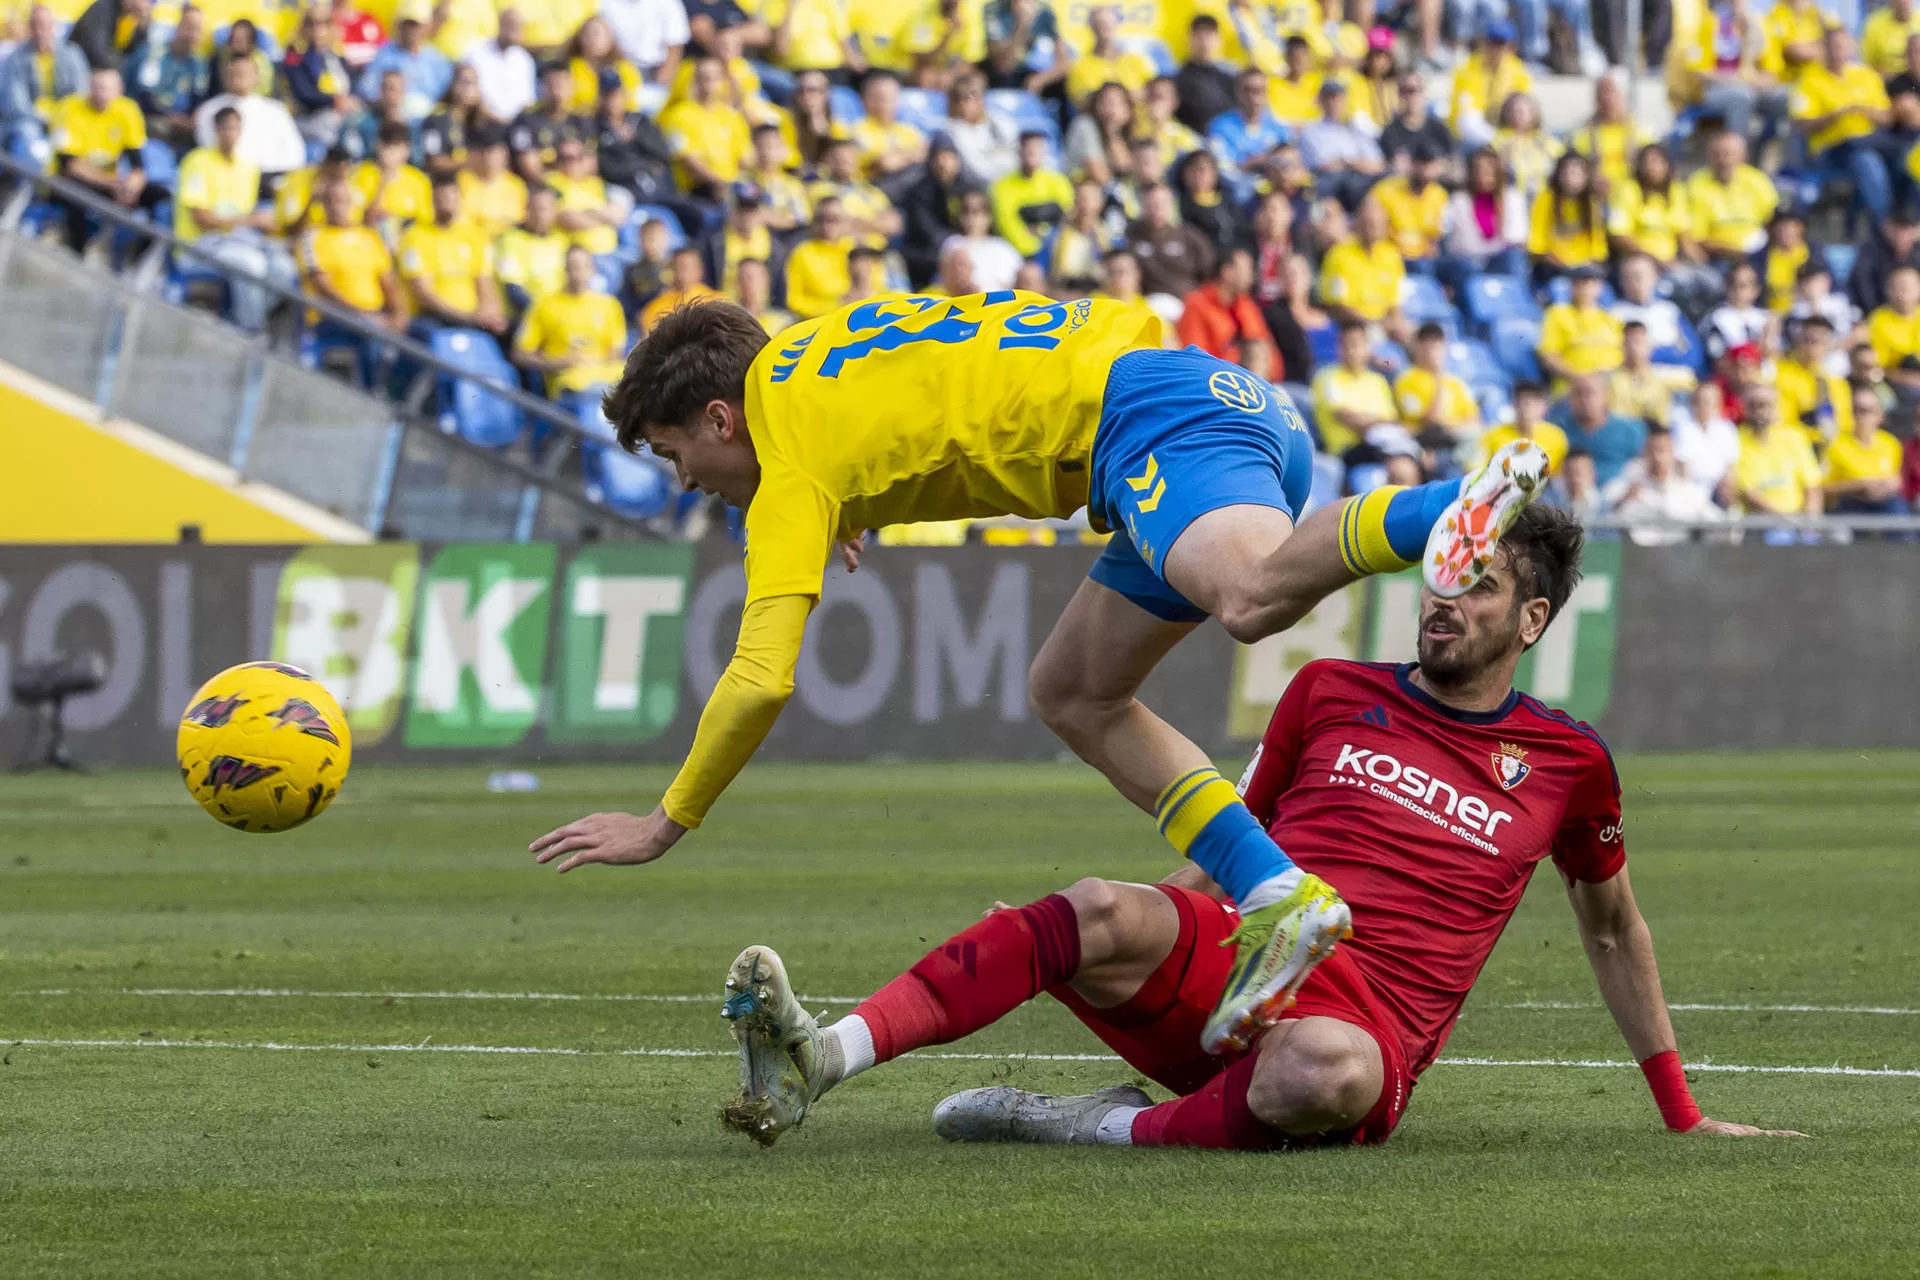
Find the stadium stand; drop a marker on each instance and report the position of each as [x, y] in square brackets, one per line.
[1783, 136]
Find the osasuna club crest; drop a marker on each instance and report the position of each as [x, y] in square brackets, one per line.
[1510, 767]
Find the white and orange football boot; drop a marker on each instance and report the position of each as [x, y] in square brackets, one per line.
[1460, 548]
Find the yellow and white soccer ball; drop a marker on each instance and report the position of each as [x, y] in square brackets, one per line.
[263, 747]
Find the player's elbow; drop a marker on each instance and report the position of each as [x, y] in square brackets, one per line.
[1249, 620]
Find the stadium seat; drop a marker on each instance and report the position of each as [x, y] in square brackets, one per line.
[1392, 356]
[470, 410]
[1026, 111]
[1689, 351]
[639, 487]
[1474, 363]
[1329, 478]
[1324, 343]
[1426, 301]
[1560, 290]
[645, 213]
[1495, 401]
[1840, 259]
[1490, 298]
[161, 166]
[845, 105]
[1516, 341]
[1154, 50]
[185, 272]
[924, 109]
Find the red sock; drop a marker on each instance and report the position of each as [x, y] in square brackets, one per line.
[1216, 1116]
[975, 978]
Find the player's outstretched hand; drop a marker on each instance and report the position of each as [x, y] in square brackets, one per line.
[619, 839]
[1727, 1129]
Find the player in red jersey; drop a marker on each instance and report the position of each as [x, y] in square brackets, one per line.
[1428, 792]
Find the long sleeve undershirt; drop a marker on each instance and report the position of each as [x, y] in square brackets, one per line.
[745, 703]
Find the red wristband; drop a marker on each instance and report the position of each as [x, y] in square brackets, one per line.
[1668, 1080]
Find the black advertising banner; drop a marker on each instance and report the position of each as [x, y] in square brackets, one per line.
[595, 651]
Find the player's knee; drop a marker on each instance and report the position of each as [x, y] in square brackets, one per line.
[1118, 926]
[1059, 697]
[1314, 1083]
[1096, 904]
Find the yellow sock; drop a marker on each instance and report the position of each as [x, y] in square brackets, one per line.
[1364, 545]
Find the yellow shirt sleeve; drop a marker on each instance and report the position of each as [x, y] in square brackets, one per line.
[790, 526]
[745, 703]
[1539, 238]
[1007, 196]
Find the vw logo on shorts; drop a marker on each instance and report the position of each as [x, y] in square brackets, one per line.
[1238, 390]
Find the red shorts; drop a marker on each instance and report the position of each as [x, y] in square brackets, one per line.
[1157, 1032]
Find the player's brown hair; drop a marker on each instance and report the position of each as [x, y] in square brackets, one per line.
[698, 353]
[1544, 548]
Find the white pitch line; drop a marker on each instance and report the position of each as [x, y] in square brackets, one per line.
[285, 993]
[276, 1046]
[1728, 1008]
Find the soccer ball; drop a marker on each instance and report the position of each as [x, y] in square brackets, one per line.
[263, 747]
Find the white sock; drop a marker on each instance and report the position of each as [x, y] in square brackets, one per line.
[1272, 890]
[1116, 1127]
[855, 1039]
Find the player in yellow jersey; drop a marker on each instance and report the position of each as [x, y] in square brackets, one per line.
[913, 408]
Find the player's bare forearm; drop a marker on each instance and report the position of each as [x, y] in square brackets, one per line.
[1619, 946]
[1189, 876]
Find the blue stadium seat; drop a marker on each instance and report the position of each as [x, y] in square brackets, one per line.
[1474, 363]
[1324, 343]
[1689, 351]
[1424, 296]
[161, 166]
[645, 213]
[1489, 298]
[1516, 341]
[1840, 259]
[924, 109]
[1495, 401]
[472, 411]
[1329, 478]
[845, 105]
[1025, 110]
[1391, 355]
[1560, 290]
[1155, 50]
[184, 271]
[639, 487]
[1426, 301]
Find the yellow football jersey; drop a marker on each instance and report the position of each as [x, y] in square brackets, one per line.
[448, 260]
[910, 408]
[588, 325]
[406, 197]
[98, 137]
[297, 202]
[209, 180]
[537, 264]
[578, 195]
[493, 204]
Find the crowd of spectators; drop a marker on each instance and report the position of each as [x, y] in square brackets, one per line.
[1427, 268]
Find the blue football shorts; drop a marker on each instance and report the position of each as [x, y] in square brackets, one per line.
[1181, 434]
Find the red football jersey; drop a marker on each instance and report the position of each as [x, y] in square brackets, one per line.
[1429, 822]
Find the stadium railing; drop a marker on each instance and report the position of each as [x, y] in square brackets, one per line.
[112, 339]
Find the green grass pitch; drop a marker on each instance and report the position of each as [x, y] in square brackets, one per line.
[398, 1150]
